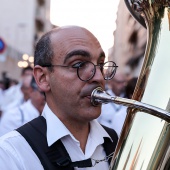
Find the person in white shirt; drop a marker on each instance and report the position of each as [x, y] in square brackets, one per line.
[2, 87]
[113, 115]
[20, 115]
[69, 64]
[17, 94]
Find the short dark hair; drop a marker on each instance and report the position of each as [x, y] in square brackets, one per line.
[43, 50]
[25, 69]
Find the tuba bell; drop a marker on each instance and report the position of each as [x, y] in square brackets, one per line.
[144, 143]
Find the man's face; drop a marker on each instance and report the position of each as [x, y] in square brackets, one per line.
[27, 73]
[69, 97]
[26, 87]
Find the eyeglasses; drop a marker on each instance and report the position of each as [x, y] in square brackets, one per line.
[86, 70]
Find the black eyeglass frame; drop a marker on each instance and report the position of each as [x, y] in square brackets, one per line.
[79, 66]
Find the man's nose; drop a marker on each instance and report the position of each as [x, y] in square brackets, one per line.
[98, 76]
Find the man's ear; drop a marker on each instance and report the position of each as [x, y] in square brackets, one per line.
[41, 75]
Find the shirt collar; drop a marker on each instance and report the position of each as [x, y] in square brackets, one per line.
[57, 130]
[97, 133]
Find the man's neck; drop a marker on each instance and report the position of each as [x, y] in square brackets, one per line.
[80, 132]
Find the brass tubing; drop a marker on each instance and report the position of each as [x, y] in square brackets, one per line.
[144, 142]
[99, 96]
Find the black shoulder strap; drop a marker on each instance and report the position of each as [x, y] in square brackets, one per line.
[35, 131]
[108, 145]
[56, 156]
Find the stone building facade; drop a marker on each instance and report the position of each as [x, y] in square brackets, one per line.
[22, 23]
[129, 41]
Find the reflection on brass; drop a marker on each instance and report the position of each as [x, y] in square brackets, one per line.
[144, 142]
[99, 96]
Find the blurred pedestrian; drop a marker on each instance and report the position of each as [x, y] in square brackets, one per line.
[2, 85]
[29, 110]
[113, 115]
[2, 88]
[116, 87]
[119, 117]
[19, 93]
[130, 87]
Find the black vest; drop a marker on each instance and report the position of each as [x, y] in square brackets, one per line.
[56, 156]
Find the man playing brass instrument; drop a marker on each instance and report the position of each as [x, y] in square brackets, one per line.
[69, 65]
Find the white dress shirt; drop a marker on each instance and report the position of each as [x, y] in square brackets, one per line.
[15, 149]
[12, 97]
[14, 118]
[113, 115]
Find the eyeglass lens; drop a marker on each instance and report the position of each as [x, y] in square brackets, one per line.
[109, 70]
[86, 70]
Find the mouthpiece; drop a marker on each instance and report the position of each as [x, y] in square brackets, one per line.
[99, 96]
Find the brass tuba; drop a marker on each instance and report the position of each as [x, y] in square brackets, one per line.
[144, 143]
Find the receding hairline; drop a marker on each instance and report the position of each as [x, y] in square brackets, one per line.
[69, 27]
[56, 37]
[73, 28]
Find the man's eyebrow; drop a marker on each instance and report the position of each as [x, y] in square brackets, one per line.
[76, 52]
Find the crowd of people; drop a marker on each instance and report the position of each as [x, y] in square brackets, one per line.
[113, 115]
[54, 98]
